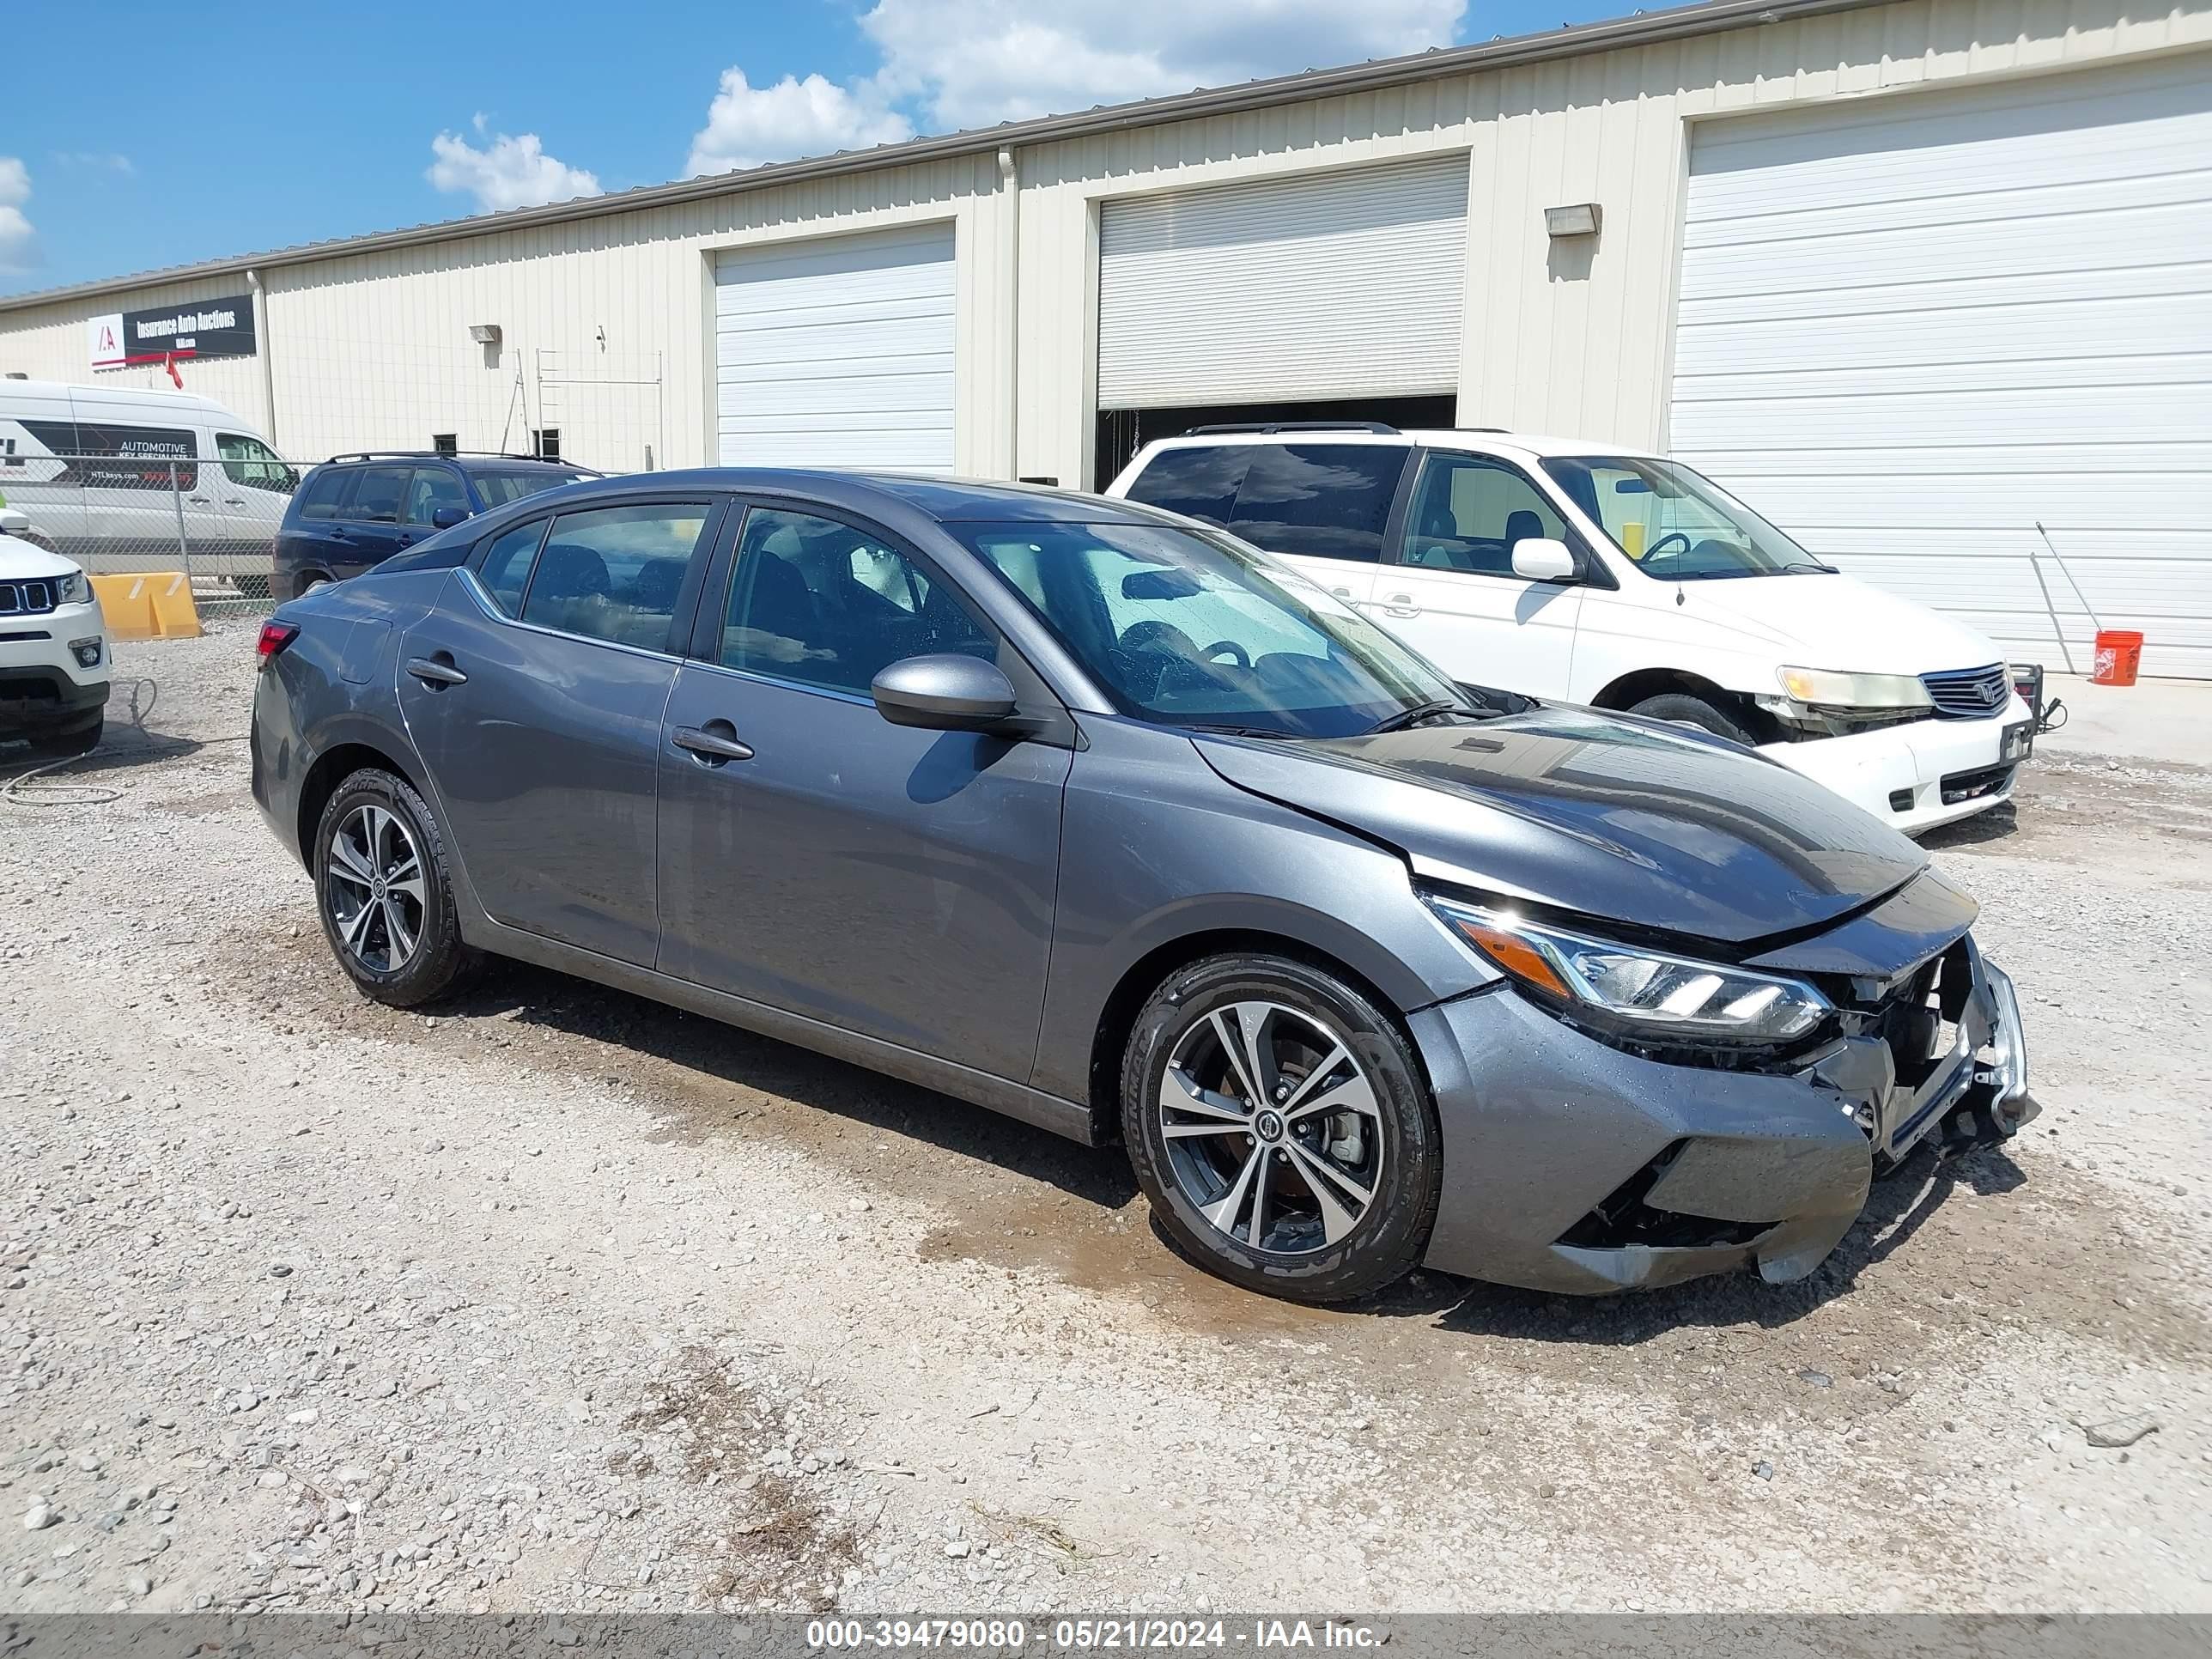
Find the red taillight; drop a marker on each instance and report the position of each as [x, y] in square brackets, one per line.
[274, 636]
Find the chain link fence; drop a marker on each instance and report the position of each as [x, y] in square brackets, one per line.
[117, 512]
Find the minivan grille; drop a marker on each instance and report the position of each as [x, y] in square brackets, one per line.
[1968, 694]
[26, 599]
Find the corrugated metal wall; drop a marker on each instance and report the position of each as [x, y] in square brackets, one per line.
[1569, 337]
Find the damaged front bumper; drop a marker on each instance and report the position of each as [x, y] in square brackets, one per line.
[1571, 1165]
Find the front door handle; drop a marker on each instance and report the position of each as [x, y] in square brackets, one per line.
[1400, 604]
[434, 672]
[712, 744]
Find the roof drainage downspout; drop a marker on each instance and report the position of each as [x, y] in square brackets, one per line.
[268, 371]
[1009, 325]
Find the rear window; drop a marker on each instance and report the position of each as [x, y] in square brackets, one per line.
[1328, 501]
[323, 495]
[498, 488]
[1199, 483]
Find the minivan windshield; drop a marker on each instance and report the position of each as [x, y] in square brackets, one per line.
[498, 488]
[1207, 633]
[1677, 525]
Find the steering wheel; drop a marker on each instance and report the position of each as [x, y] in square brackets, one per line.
[1242, 657]
[1157, 636]
[1652, 552]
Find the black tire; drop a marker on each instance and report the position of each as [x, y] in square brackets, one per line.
[65, 744]
[438, 962]
[1389, 1235]
[1680, 708]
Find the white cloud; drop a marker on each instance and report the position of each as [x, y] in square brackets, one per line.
[103, 161]
[945, 65]
[973, 63]
[747, 124]
[17, 239]
[511, 170]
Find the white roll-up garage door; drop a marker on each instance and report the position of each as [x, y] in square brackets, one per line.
[837, 352]
[1323, 285]
[1913, 327]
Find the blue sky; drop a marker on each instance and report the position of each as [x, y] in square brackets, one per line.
[172, 144]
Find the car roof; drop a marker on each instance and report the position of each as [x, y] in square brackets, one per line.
[1479, 441]
[947, 501]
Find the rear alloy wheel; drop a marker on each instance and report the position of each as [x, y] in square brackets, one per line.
[1278, 1123]
[387, 901]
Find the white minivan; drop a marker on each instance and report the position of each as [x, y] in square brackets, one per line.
[126, 478]
[1583, 573]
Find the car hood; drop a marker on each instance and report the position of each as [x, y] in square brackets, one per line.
[22, 561]
[1837, 622]
[1627, 820]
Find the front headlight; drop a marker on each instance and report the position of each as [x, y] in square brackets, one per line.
[1634, 990]
[1825, 689]
[76, 588]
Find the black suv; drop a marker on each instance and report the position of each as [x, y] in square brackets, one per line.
[356, 511]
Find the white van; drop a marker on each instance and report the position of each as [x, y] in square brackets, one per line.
[1579, 572]
[126, 478]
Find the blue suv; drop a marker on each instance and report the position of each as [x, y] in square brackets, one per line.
[354, 512]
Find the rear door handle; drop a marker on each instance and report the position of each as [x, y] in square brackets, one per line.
[712, 746]
[1400, 604]
[431, 671]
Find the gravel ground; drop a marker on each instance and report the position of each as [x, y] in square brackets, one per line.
[559, 1300]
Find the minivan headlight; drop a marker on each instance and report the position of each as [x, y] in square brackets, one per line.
[1824, 688]
[1633, 989]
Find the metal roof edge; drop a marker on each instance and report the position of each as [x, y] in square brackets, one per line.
[1642, 28]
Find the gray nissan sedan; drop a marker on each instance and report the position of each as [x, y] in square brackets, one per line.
[1094, 816]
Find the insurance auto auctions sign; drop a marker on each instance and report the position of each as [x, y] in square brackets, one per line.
[206, 328]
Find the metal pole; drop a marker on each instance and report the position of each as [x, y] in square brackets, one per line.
[2057, 626]
[177, 500]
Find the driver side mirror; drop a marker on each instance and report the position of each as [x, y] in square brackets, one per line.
[944, 693]
[446, 517]
[1542, 559]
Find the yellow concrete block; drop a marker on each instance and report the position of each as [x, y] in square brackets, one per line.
[175, 616]
[126, 606]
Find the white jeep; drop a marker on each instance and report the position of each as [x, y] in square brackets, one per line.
[54, 667]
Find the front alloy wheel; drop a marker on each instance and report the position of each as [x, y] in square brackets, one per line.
[1278, 1123]
[1271, 1127]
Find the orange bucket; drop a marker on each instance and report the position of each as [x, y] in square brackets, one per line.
[2119, 651]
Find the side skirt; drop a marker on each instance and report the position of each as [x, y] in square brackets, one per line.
[1016, 1100]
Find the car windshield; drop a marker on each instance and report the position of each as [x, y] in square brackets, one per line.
[1677, 525]
[1206, 633]
[498, 488]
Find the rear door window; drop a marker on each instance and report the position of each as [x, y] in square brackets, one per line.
[1197, 482]
[378, 498]
[1325, 501]
[615, 573]
[505, 569]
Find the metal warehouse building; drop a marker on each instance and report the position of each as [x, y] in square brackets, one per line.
[1913, 278]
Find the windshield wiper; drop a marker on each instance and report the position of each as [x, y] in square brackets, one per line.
[1219, 731]
[1805, 568]
[1413, 716]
